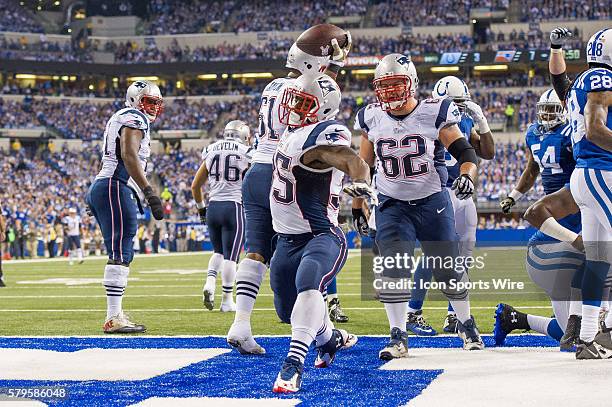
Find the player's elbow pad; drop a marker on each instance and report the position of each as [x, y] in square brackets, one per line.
[463, 151]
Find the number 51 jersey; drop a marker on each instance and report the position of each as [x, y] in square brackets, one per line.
[407, 147]
[304, 199]
[226, 161]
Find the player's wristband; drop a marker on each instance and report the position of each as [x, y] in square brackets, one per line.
[556, 49]
[553, 229]
[199, 205]
[334, 66]
[516, 195]
[483, 127]
[555, 46]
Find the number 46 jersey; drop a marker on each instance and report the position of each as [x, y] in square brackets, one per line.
[304, 199]
[407, 147]
[226, 161]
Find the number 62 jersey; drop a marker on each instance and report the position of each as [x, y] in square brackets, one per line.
[407, 147]
[304, 199]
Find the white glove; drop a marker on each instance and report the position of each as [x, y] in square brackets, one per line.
[463, 187]
[558, 36]
[340, 54]
[476, 113]
[359, 189]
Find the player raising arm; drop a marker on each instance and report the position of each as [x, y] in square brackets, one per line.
[112, 202]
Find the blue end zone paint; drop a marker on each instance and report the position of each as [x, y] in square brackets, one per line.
[354, 379]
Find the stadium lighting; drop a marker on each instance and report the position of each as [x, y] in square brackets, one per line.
[143, 78]
[65, 78]
[444, 69]
[207, 76]
[25, 76]
[363, 72]
[252, 75]
[225, 76]
[491, 68]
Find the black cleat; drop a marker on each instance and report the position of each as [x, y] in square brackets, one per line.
[507, 319]
[336, 314]
[572, 333]
[397, 347]
[470, 335]
[450, 324]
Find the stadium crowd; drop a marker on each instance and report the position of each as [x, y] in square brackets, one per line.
[14, 18]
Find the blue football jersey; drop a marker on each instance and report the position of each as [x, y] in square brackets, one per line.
[465, 125]
[552, 150]
[587, 154]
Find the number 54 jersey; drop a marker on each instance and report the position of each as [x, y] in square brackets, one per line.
[407, 147]
[226, 161]
[304, 199]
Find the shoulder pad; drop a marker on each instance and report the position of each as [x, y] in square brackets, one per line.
[134, 119]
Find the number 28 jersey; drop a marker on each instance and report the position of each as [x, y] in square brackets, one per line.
[407, 147]
[304, 199]
[226, 161]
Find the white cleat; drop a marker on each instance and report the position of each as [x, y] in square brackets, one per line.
[241, 338]
[397, 347]
[228, 306]
[121, 324]
[208, 297]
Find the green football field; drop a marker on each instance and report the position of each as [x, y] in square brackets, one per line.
[164, 293]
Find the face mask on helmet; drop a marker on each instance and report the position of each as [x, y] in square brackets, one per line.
[550, 115]
[152, 106]
[392, 91]
[298, 108]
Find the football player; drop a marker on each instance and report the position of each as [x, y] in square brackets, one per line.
[256, 188]
[404, 137]
[549, 154]
[309, 165]
[114, 204]
[224, 163]
[475, 129]
[73, 233]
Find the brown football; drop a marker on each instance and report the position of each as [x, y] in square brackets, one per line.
[317, 39]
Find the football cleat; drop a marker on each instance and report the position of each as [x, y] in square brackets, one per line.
[228, 306]
[602, 320]
[289, 378]
[240, 337]
[121, 324]
[604, 341]
[2, 284]
[336, 314]
[507, 319]
[416, 324]
[208, 297]
[592, 350]
[450, 324]
[397, 347]
[339, 340]
[572, 333]
[470, 335]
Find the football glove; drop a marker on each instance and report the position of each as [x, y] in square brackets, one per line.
[507, 204]
[478, 116]
[360, 223]
[202, 212]
[558, 36]
[359, 189]
[463, 187]
[154, 202]
[340, 53]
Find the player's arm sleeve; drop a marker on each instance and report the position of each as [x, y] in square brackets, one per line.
[561, 84]
[134, 120]
[334, 135]
[463, 151]
[448, 114]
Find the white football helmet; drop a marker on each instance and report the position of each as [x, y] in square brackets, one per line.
[454, 88]
[305, 63]
[146, 97]
[239, 130]
[599, 48]
[395, 81]
[310, 100]
[550, 111]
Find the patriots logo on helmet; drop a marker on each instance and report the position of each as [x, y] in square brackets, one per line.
[140, 85]
[326, 87]
[403, 60]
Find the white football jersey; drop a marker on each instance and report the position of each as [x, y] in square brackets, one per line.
[407, 148]
[72, 224]
[270, 128]
[304, 199]
[226, 161]
[112, 164]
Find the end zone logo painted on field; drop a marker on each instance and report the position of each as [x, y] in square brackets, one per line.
[355, 379]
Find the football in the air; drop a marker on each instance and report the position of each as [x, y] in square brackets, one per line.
[317, 39]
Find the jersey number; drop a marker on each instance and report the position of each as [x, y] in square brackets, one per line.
[266, 127]
[413, 146]
[599, 81]
[549, 159]
[287, 195]
[231, 173]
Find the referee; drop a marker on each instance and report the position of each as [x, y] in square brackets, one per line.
[2, 237]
